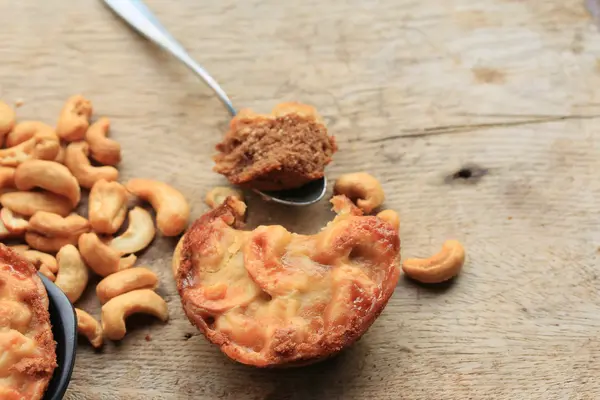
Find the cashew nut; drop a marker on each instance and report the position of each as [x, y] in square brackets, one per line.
[89, 327]
[439, 268]
[76, 159]
[74, 118]
[49, 175]
[217, 195]
[138, 235]
[126, 281]
[4, 232]
[15, 223]
[72, 277]
[50, 224]
[39, 260]
[28, 203]
[60, 156]
[19, 248]
[175, 261]
[43, 145]
[172, 209]
[7, 118]
[25, 130]
[7, 177]
[105, 151]
[47, 273]
[344, 207]
[107, 206]
[48, 244]
[100, 258]
[391, 217]
[117, 309]
[361, 187]
[127, 262]
[7, 190]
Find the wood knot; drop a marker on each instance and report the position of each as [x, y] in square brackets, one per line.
[470, 173]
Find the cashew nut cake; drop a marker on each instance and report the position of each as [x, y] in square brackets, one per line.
[269, 297]
[282, 150]
[27, 347]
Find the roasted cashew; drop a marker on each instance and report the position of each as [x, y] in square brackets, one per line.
[47, 273]
[28, 203]
[7, 118]
[15, 223]
[107, 206]
[74, 118]
[89, 327]
[7, 190]
[49, 175]
[76, 159]
[100, 258]
[48, 244]
[126, 281]
[42, 146]
[175, 261]
[40, 259]
[60, 156]
[50, 224]
[127, 262]
[439, 268]
[104, 150]
[7, 177]
[139, 233]
[42, 262]
[361, 187]
[25, 130]
[344, 207]
[217, 195]
[391, 217]
[292, 107]
[19, 248]
[172, 209]
[117, 309]
[4, 232]
[72, 277]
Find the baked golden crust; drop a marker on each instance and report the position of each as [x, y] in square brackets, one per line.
[27, 347]
[269, 297]
[282, 150]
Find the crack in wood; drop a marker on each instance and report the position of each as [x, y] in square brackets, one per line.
[464, 128]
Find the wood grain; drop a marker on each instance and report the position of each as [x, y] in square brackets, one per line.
[415, 91]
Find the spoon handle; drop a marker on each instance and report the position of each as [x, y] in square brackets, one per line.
[141, 19]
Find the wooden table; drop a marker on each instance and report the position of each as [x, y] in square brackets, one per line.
[505, 91]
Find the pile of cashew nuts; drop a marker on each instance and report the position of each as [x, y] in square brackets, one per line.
[42, 173]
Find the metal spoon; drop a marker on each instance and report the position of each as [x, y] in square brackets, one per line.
[64, 329]
[142, 20]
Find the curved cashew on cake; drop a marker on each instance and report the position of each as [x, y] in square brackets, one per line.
[269, 297]
[27, 347]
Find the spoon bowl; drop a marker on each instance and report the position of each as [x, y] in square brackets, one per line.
[64, 330]
[140, 18]
[302, 196]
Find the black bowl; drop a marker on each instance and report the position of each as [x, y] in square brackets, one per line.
[64, 329]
